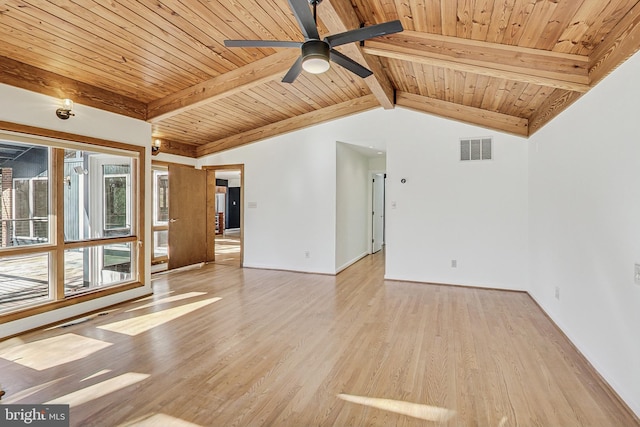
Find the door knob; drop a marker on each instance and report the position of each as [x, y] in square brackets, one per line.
[173, 219]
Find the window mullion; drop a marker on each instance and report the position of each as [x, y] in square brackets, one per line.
[57, 190]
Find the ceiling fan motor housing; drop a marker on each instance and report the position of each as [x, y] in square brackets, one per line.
[315, 52]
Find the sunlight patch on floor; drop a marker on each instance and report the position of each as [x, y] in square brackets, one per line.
[10, 343]
[97, 374]
[227, 249]
[169, 299]
[140, 324]
[54, 351]
[159, 420]
[416, 410]
[96, 391]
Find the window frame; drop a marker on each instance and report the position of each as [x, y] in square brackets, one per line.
[56, 246]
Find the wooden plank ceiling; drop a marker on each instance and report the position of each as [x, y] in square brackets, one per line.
[508, 65]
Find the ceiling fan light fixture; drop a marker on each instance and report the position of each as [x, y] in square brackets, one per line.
[315, 56]
[315, 65]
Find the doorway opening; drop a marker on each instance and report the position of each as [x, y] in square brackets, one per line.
[226, 214]
[378, 211]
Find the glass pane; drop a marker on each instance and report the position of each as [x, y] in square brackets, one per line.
[115, 202]
[24, 280]
[160, 243]
[99, 199]
[24, 208]
[21, 208]
[98, 267]
[41, 209]
[162, 197]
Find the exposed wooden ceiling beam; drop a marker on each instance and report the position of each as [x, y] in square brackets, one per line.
[289, 125]
[27, 77]
[225, 85]
[539, 67]
[338, 16]
[617, 46]
[488, 119]
[178, 148]
[620, 44]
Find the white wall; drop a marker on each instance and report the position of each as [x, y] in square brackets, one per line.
[32, 109]
[378, 164]
[585, 226]
[292, 180]
[473, 212]
[352, 210]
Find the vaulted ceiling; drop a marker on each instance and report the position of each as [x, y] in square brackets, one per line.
[508, 65]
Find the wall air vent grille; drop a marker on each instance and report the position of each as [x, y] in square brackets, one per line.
[476, 149]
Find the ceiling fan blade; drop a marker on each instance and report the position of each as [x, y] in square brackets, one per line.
[364, 33]
[305, 18]
[261, 43]
[293, 72]
[349, 64]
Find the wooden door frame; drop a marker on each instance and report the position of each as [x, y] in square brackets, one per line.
[211, 208]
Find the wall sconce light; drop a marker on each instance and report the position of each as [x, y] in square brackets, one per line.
[64, 112]
[155, 146]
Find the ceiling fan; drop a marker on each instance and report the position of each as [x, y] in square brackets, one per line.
[316, 53]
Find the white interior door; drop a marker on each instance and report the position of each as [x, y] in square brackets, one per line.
[378, 212]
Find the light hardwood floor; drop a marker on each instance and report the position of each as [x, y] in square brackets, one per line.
[224, 346]
[227, 248]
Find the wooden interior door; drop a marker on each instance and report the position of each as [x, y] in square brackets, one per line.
[187, 216]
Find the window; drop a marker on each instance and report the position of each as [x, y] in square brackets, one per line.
[24, 209]
[100, 202]
[160, 214]
[94, 267]
[117, 199]
[31, 209]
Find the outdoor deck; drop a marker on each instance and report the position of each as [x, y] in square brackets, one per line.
[24, 280]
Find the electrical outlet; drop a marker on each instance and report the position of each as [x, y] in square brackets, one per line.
[454, 263]
[636, 274]
[557, 292]
[307, 254]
